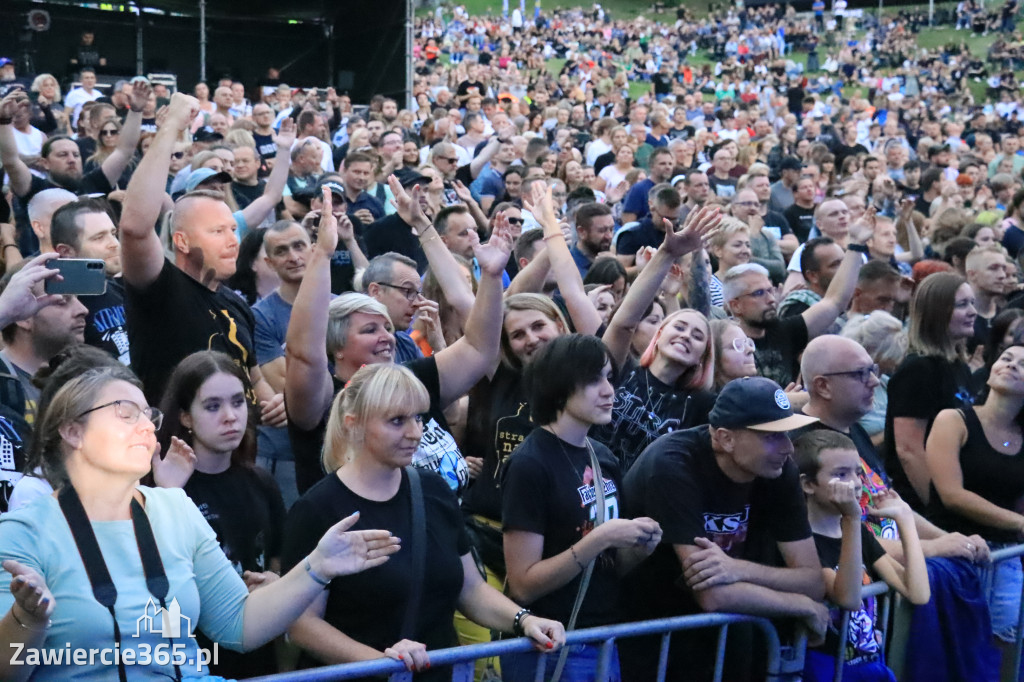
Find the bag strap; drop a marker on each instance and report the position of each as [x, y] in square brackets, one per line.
[588, 571]
[103, 588]
[419, 551]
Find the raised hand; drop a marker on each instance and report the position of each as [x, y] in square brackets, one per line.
[408, 205]
[889, 505]
[141, 90]
[175, 468]
[285, 137]
[10, 104]
[615, 194]
[327, 232]
[182, 110]
[31, 595]
[344, 552]
[23, 297]
[493, 255]
[540, 204]
[698, 227]
[346, 230]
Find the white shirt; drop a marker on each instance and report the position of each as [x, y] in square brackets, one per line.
[76, 98]
[30, 143]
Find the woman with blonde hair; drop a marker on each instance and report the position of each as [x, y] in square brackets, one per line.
[885, 340]
[132, 546]
[48, 110]
[372, 434]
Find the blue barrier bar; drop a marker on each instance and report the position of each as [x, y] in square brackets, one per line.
[877, 589]
[606, 635]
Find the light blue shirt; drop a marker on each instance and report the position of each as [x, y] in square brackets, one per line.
[38, 536]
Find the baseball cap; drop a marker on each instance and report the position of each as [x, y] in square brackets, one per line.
[938, 149]
[758, 404]
[4, 61]
[791, 163]
[337, 189]
[411, 179]
[198, 177]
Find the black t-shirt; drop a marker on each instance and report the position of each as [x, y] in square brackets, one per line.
[391, 233]
[549, 490]
[777, 353]
[265, 145]
[631, 239]
[801, 220]
[93, 182]
[105, 325]
[773, 220]
[438, 451]
[370, 606]
[920, 388]
[499, 420]
[990, 474]
[245, 510]
[864, 642]
[646, 408]
[467, 86]
[725, 189]
[15, 434]
[246, 194]
[678, 483]
[176, 316]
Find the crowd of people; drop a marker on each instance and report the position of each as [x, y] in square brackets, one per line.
[545, 349]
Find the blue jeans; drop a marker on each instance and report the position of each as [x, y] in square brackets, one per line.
[821, 667]
[1004, 597]
[580, 666]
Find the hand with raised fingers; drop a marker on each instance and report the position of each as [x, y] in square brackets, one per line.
[696, 230]
[175, 468]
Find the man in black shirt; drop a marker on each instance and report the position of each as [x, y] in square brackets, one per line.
[84, 229]
[175, 309]
[800, 214]
[727, 497]
[749, 295]
[246, 185]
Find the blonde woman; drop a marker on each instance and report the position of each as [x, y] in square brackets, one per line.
[374, 429]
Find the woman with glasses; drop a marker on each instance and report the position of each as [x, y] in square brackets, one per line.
[734, 353]
[211, 442]
[82, 568]
[668, 389]
[975, 460]
[933, 377]
[109, 134]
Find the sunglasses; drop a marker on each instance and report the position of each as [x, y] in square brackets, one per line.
[515, 221]
[178, 155]
[109, 133]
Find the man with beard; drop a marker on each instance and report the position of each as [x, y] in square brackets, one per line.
[177, 308]
[85, 229]
[62, 160]
[594, 228]
[750, 298]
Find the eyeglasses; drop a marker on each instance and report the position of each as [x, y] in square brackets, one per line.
[409, 293]
[129, 412]
[178, 155]
[449, 159]
[742, 345]
[757, 293]
[515, 221]
[863, 374]
[109, 133]
[748, 204]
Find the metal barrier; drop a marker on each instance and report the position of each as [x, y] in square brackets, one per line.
[463, 658]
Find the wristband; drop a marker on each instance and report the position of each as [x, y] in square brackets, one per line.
[517, 622]
[44, 628]
[6, 121]
[859, 248]
[552, 236]
[319, 580]
[572, 548]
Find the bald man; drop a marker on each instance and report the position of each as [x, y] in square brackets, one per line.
[40, 212]
[832, 218]
[176, 309]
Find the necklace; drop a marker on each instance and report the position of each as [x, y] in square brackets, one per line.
[565, 453]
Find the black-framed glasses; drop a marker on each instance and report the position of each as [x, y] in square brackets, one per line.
[863, 374]
[409, 293]
[110, 133]
[178, 155]
[449, 159]
[748, 204]
[514, 221]
[129, 412]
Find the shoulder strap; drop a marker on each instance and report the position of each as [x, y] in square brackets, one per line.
[599, 502]
[419, 551]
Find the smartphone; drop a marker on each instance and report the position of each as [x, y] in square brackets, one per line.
[81, 276]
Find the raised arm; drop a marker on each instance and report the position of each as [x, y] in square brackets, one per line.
[258, 209]
[461, 365]
[530, 279]
[19, 174]
[585, 317]
[698, 226]
[128, 140]
[307, 383]
[906, 218]
[142, 256]
[448, 273]
[820, 316]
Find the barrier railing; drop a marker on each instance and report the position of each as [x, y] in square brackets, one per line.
[462, 659]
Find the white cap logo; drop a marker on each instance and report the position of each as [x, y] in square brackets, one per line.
[781, 400]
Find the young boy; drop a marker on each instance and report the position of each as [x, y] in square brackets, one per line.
[851, 557]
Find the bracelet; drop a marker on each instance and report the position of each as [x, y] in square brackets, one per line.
[35, 630]
[572, 548]
[8, 246]
[517, 622]
[429, 239]
[319, 580]
[552, 236]
[859, 248]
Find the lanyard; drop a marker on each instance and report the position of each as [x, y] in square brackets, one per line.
[103, 588]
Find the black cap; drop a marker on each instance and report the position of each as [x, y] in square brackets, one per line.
[755, 403]
[791, 163]
[337, 189]
[413, 178]
[937, 149]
